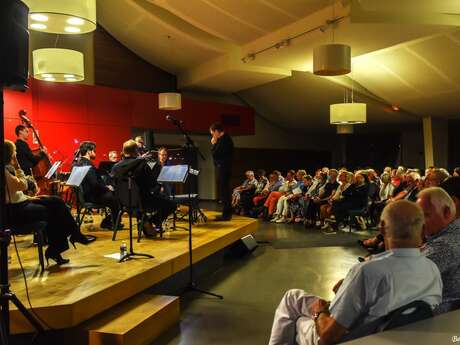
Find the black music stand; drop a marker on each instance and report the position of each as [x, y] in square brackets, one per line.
[127, 172]
[190, 148]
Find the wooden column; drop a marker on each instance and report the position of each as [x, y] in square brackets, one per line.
[428, 141]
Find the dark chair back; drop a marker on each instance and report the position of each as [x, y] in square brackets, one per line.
[412, 312]
[122, 192]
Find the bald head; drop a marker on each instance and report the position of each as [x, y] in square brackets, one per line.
[403, 224]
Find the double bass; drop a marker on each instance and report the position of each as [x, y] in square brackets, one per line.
[39, 171]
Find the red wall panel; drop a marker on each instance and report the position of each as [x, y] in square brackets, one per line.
[108, 138]
[55, 102]
[15, 101]
[108, 106]
[66, 114]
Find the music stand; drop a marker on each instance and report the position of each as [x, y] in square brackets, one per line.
[127, 172]
[77, 175]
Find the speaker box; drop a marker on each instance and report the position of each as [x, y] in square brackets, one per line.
[14, 44]
[244, 246]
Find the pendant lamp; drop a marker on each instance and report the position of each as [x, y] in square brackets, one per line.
[169, 101]
[332, 59]
[62, 16]
[347, 113]
[58, 65]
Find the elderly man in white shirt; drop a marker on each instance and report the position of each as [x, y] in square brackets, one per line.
[370, 290]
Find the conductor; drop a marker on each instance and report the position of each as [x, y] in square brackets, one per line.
[222, 153]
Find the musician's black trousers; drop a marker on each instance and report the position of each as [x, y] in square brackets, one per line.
[50, 209]
[223, 180]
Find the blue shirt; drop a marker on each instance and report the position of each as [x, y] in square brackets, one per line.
[388, 281]
[444, 249]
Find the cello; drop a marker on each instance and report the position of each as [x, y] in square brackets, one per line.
[39, 171]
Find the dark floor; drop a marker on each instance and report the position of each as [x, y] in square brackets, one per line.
[252, 286]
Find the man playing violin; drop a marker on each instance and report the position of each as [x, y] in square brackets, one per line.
[27, 160]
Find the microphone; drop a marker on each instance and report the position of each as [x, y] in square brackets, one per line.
[174, 120]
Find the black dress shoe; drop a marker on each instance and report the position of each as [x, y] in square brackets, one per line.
[223, 218]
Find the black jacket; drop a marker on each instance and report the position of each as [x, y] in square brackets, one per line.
[93, 184]
[222, 152]
[356, 197]
[145, 174]
[27, 160]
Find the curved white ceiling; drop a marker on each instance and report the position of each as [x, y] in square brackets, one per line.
[203, 43]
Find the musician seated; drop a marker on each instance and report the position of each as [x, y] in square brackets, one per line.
[166, 188]
[22, 209]
[146, 175]
[94, 188]
[113, 156]
[27, 160]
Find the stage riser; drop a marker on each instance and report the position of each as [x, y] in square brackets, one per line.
[137, 321]
[67, 296]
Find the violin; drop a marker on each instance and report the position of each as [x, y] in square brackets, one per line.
[39, 171]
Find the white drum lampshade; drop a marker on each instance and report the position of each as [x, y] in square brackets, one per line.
[331, 59]
[344, 129]
[169, 101]
[347, 113]
[58, 65]
[62, 16]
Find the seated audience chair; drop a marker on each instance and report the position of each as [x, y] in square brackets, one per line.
[412, 312]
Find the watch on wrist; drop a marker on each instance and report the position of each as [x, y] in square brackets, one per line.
[318, 314]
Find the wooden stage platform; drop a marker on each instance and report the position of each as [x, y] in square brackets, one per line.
[91, 283]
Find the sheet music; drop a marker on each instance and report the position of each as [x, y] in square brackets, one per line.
[173, 173]
[53, 169]
[77, 175]
[297, 191]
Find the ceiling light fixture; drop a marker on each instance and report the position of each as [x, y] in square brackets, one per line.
[72, 29]
[61, 65]
[169, 101]
[39, 17]
[334, 58]
[38, 26]
[286, 42]
[60, 13]
[347, 113]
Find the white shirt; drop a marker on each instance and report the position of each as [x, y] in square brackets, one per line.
[388, 281]
[15, 185]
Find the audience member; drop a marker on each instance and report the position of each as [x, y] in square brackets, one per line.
[282, 206]
[370, 290]
[248, 184]
[442, 233]
[435, 176]
[456, 172]
[287, 186]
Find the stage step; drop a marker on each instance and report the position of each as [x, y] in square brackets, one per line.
[137, 321]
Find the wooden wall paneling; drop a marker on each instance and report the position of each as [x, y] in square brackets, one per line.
[117, 66]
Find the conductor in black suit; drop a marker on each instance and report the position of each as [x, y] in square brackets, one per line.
[222, 153]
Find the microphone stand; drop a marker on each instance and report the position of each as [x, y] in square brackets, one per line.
[190, 148]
